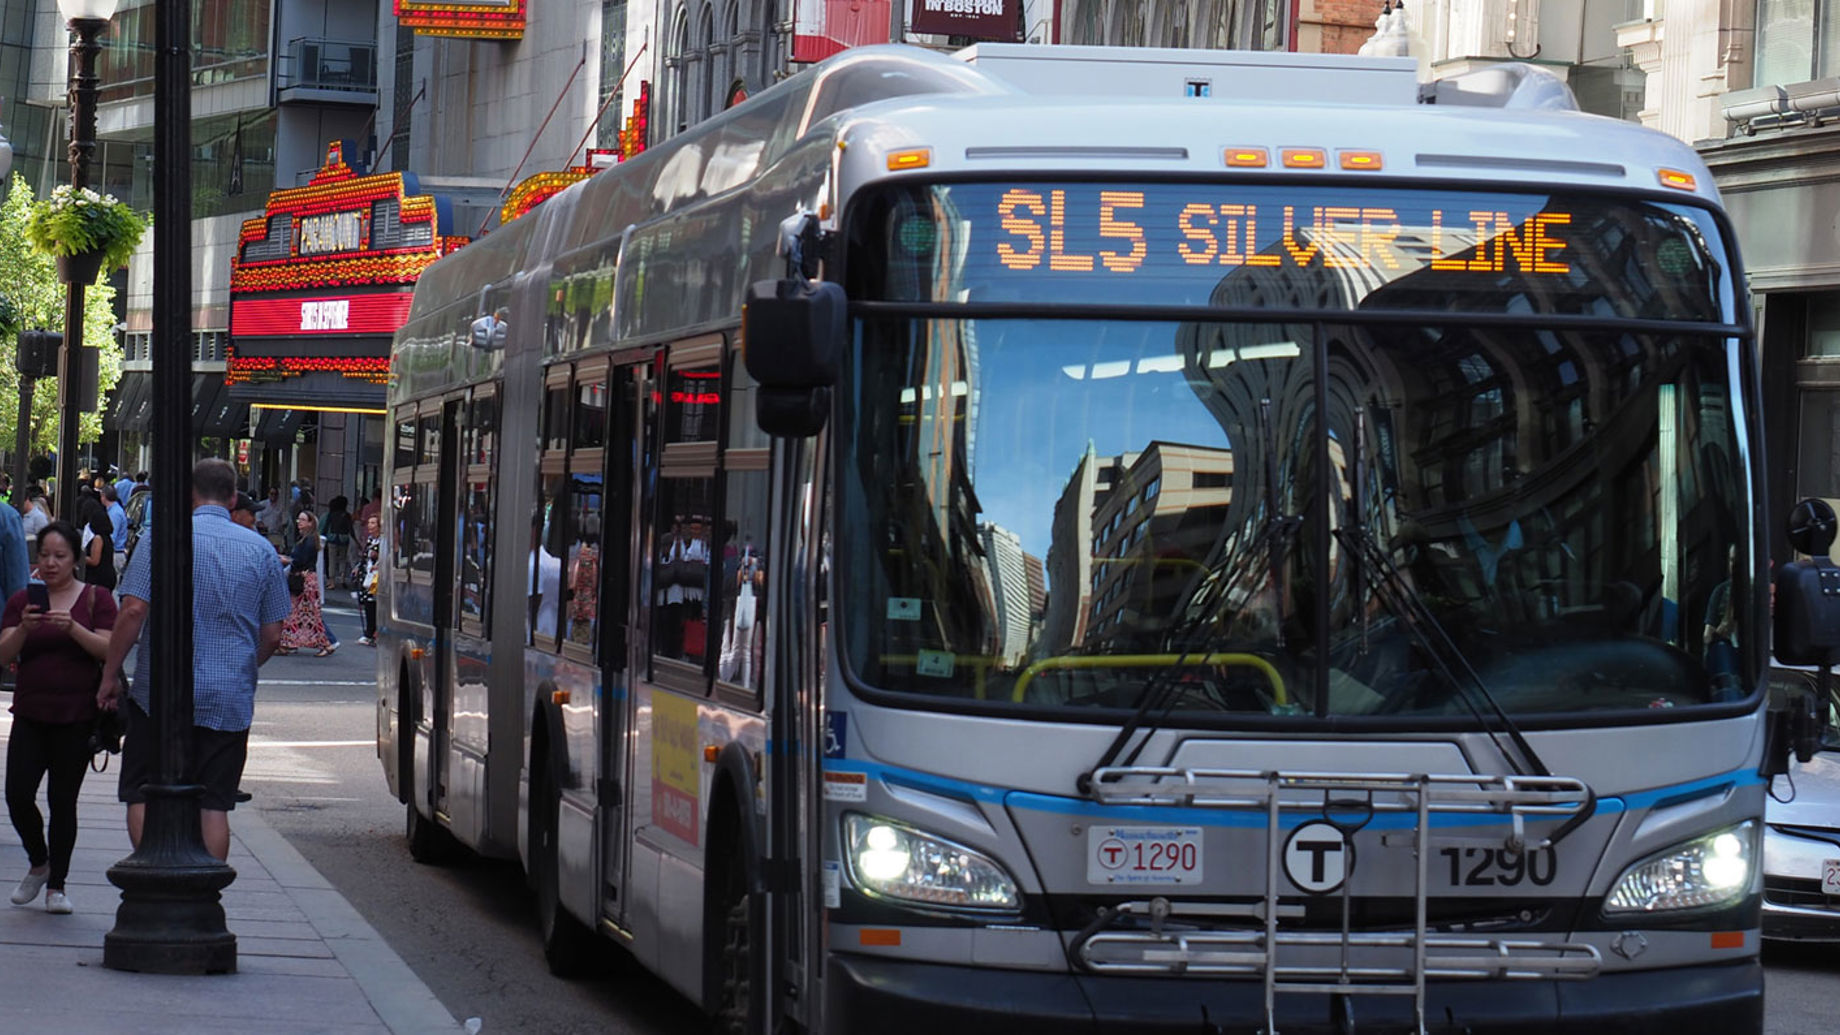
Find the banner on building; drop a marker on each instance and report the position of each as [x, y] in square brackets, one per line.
[978, 19]
[821, 28]
[469, 19]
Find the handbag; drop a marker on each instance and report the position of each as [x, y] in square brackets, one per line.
[297, 583]
[104, 738]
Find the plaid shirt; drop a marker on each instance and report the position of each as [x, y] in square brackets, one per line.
[237, 587]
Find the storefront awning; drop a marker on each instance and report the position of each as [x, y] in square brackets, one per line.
[227, 418]
[129, 404]
[277, 427]
[205, 391]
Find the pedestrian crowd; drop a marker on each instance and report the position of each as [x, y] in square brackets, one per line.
[76, 591]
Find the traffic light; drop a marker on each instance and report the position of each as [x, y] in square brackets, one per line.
[37, 354]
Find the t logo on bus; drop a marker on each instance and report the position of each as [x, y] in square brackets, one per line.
[1318, 857]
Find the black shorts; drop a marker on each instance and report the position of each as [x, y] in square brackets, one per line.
[217, 760]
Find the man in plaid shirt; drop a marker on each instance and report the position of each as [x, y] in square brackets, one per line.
[239, 598]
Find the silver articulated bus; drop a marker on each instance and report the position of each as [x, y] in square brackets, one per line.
[1072, 539]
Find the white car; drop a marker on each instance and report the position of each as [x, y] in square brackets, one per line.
[1801, 850]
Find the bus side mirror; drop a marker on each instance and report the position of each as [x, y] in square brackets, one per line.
[792, 335]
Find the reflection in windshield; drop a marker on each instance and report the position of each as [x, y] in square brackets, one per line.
[1049, 512]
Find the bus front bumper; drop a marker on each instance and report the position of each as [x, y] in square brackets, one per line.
[894, 997]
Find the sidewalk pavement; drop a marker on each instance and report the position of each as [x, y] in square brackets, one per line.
[306, 961]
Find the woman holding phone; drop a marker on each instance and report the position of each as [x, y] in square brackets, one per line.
[58, 630]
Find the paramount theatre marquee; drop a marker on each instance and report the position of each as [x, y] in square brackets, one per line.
[322, 281]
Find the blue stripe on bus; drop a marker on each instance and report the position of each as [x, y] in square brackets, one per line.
[1212, 817]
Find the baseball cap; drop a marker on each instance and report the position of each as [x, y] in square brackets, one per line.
[243, 502]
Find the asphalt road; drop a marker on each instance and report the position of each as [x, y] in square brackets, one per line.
[467, 928]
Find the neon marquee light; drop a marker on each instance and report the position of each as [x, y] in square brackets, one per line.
[340, 230]
[244, 370]
[473, 19]
[545, 185]
[380, 313]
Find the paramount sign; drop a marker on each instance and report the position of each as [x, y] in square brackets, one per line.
[978, 19]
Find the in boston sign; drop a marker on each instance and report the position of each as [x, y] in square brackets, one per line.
[978, 19]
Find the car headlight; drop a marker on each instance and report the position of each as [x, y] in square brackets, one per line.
[1706, 871]
[893, 860]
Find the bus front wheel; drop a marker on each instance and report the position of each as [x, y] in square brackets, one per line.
[568, 945]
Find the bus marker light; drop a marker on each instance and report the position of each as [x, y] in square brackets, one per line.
[1247, 157]
[1676, 179]
[1728, 939]
[559, 697]
[710, 752]
[912, 158]
[885, 936]
[1304, 158]
[1360, 161]
[417, 653]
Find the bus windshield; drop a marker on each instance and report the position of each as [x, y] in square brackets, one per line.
[1328, 514]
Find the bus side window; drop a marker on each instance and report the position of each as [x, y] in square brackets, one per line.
[549, 516]
[743, 585]
[403, 506]
[682, 628]
[742, 588]
[582, 564]
[476, 501]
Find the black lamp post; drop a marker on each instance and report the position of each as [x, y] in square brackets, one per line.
[171, 920]
[87, 20]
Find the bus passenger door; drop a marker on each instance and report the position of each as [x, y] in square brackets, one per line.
[446, 501]
[626, 438]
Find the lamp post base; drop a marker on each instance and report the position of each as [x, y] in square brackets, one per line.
[171, 919]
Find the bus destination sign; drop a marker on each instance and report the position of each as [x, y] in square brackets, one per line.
[1208, 233]
[1261, 244]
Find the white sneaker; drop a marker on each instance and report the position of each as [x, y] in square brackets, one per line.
[29, 886]
[56, 902]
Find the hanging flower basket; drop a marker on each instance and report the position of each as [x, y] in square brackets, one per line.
[85, 231]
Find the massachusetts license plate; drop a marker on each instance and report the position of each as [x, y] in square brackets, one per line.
[1830, 877]
[1143, 855]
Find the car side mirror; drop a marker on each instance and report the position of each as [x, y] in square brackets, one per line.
[792, 339]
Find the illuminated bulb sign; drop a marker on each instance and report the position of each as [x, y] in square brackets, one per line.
[323, 279]
[473, 19]
[545, 185]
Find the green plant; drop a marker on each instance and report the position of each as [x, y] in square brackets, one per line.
[9, 317]
[76, 222]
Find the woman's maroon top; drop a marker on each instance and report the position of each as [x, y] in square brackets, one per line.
[57, 678]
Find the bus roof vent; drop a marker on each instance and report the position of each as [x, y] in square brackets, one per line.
[1507, 85]
[1230, 75]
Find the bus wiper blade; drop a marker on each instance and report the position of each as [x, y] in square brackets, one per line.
[1157, 696]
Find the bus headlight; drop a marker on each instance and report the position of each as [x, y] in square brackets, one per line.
[1706, 871]
[895, 861]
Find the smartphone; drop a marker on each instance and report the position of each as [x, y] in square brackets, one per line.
[38, 595]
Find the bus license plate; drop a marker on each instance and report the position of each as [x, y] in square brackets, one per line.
[1143, 855]
[1830, 877]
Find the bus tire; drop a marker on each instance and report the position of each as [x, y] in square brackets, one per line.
[568, 945]
[733, 1011]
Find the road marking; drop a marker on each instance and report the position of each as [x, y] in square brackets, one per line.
[265, 743]
[317, 682]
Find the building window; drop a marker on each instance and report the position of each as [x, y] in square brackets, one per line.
[613, 65]
[1797, 40]
[230, 42]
